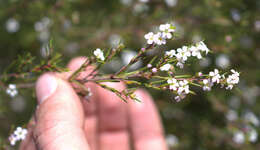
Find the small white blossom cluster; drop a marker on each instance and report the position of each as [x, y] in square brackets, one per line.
[250, 135]
[166, 67]
[99, 54]
[251, 118]
[12, 90]
[207, 84]
[250, 124]
[172, 140]
[18, 135]
[12, 25]
[232, 79]
[144, 1]
[215, 77]
[43, 29]
[181, 87]
[239, 137]
[168, 62]
[183, 53]
[166, 32]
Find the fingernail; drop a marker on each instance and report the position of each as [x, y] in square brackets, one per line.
[45, 87]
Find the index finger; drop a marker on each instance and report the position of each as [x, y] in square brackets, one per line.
[145, 124]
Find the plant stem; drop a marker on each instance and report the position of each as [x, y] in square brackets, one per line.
[134, 60]
[82, 67]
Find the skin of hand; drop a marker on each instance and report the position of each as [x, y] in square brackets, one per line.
[64, 121]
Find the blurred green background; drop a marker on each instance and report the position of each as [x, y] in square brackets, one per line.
[213, 120]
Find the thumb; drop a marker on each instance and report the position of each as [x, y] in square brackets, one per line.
[59, 117]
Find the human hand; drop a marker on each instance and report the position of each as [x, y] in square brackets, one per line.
[65, 121]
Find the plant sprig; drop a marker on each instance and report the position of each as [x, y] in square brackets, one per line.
[160, 73]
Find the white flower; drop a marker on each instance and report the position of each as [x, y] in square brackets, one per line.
[215, 75]
[239, 137]
[170, 53]
[231, 115]
[144, 1]
[171, 3]
[12, 25]
[12, 86]
[149, 66]
[183, 87]
[12, 90]
[172, 140]
[173, 84]
[20, 133]
[195, 52]
[139, 8]
[207, 85]
[12, 139]
[234, 72]
[232, 79]
[158, 39]
[166, 67]
[42, 25]
[223, 61]
[253, 135]
[186, 50]
[252, 118]
[203, 47]
[229, 87]
[183, 53]
[154, 70]
[167, 30]
[149, 37]
[257, 25]
[200, 74]
[223, 77]
[179, 64]
[99, 54]
[126, 2]
[179, 97]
